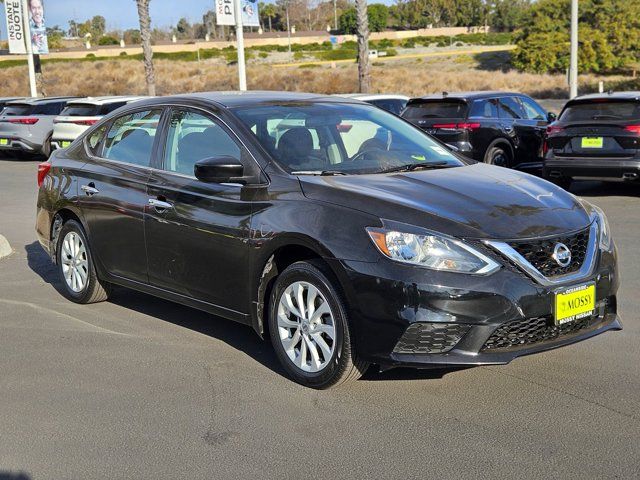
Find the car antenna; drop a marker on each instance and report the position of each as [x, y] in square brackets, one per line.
[445, 94]
[610, 92]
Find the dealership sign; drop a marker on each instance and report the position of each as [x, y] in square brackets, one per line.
[225, 12]
[15, 29]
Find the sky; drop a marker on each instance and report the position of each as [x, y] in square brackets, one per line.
[120, 14]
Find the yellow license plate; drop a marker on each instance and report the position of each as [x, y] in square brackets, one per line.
[575, 303]
[592, 142]
[4, 141]
[65, 144]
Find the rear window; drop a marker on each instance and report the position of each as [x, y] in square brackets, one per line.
[448, 109]
[18, 110]
[110, 107]
[80, 110]
[607, 110]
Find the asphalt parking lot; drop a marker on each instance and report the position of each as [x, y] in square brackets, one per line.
[137, 387]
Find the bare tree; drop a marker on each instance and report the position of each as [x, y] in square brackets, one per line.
[145, 35]
[364, 77]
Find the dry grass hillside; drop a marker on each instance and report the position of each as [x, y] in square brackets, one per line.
[411, 76]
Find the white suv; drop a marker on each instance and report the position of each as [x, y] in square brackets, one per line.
[81, 114]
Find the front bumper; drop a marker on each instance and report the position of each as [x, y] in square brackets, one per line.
[597, 168]
[457, 319]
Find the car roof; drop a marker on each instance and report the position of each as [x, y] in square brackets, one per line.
[106, 100]
[365, 97]
[234, 99]
[631, 95]
[11, 99]
[39, 100]
[476, 95]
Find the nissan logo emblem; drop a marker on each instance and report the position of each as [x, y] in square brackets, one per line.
[562, 254]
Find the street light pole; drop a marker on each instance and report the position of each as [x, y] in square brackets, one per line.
[30, 62]
[242, 74]
[335, 14]
[288, 28]
[573, 66]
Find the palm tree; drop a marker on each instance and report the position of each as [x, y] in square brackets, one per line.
[145, 35]
[364, 79]
[269, 11]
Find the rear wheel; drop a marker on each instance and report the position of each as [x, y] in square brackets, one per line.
[309, 328]
[75, 266]
[46, 148]
[498, 154]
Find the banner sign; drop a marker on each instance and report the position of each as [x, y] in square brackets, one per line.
[15, 31]
[39, 43]
[225, 13]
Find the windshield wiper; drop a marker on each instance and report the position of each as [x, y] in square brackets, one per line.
[416, 166]
[318, 172]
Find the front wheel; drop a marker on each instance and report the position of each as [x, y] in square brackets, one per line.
[76, 268]
[309, 328]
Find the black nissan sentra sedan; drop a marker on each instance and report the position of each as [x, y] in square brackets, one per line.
[346, 234]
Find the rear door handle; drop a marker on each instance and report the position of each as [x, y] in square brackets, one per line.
[90, 189]
[159, 205]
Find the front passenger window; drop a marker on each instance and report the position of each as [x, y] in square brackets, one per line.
[130, 138]
[193, 137]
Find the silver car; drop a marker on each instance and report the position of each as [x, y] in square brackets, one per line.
[80, 114]
[26, 126]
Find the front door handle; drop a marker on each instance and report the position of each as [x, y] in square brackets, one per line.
[159, 205]
[90, 189]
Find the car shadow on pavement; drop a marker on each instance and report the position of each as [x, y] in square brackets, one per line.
[241, 337]
[605, 189]
[14, 476]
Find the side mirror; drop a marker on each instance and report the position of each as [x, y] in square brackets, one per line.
[223, 169]
[551, 117]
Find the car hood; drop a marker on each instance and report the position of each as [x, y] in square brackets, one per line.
[475, 201]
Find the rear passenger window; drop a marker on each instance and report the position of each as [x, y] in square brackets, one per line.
[510, 108]
[130, 138]
[193, 137]
[484, 109]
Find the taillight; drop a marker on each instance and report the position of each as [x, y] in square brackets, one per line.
[545, 147]
[469, 126]
[551, 129]
[633, 129]
[84, 122]
[459, 126]
[43, 169]
[23, 121]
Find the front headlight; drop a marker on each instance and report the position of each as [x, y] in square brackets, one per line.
[431, 251]
[604, 232]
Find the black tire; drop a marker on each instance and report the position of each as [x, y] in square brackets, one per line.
[499, 154]
[94, 290]
[343, 366]
[46, 148]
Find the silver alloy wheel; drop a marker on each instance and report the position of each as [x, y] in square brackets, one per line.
[306, 327]
[75, 264]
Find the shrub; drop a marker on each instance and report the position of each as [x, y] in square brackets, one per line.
[108, 40]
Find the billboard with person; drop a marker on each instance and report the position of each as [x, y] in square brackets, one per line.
[39, 43]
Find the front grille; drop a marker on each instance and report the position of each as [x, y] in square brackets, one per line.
[539, 253]
[425, 337]
[533, 330]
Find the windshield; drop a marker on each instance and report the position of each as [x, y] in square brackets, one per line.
[601, 110]
[436, 109]
[342, 139]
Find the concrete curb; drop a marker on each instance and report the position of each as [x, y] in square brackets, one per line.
[5, 248]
